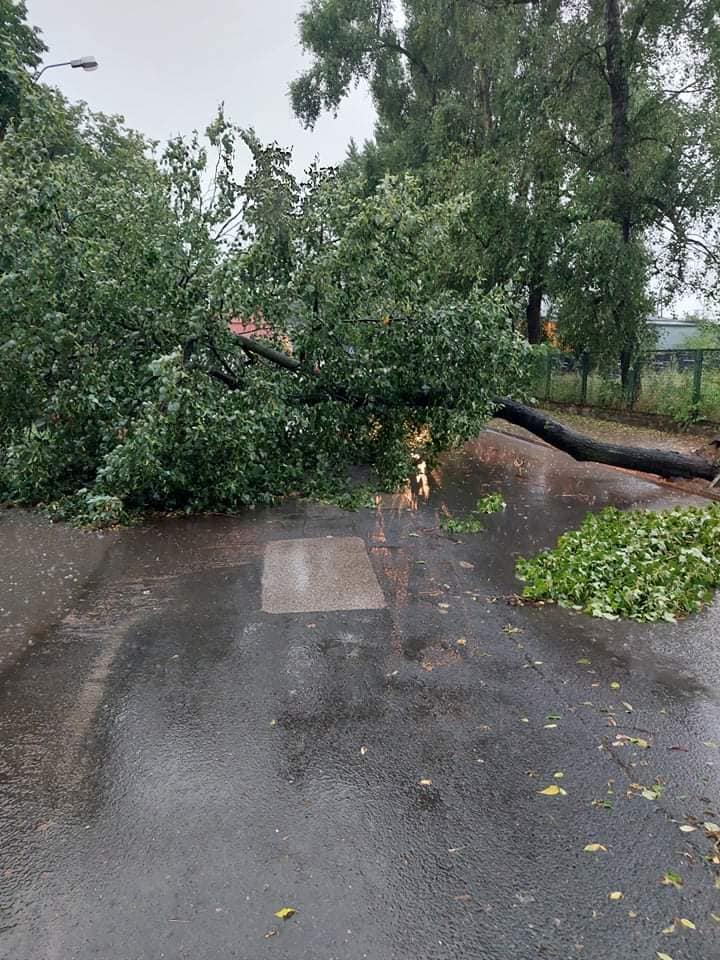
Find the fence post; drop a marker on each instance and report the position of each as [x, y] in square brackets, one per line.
[584, 371]
[697, 383]
[548, 375]
[633, 385]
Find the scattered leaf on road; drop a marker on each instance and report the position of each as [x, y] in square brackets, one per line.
[628, 706]
[716, 917]
[622, 739]
[688, 924]
[670, 929]
[584, 661]
[270, 933]
[663, 956]
[672, 879]
[615, 685]
[558, 774]
[284, 913]
[553, 791]
[426, 783]
[466, 565]
[616, 895]
[711, 827]
[363, 751]
[687, 828]
[594, 848]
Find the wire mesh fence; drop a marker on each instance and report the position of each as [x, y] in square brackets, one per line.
[682, 384]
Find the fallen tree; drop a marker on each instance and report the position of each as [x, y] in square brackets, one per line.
[664, 463]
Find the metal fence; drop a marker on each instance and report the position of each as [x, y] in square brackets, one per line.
[682, 384]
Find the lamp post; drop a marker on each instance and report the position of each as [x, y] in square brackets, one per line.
[83, 63]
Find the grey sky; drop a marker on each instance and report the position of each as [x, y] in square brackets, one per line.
[166, 64]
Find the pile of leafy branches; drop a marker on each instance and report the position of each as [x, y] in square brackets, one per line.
[643, 565]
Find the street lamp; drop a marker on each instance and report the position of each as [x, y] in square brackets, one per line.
[84, 63]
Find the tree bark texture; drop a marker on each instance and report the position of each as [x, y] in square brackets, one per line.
[663, 463]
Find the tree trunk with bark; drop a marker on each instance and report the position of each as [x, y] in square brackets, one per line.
[534, 315]
[663, 463]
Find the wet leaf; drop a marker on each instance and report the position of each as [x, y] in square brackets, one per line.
[687, 828]
[616, 895]
[688, 924]
[672, 879]
[284, 913]
[553, 791]
[594, 848]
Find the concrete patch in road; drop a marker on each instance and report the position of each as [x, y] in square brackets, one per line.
[315, 574]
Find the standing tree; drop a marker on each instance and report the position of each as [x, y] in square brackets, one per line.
[21, 50]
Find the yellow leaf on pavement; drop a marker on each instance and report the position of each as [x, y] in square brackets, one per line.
[284, 913]
[594, 848]
[553, 791]
[687, 923]
[616, 895]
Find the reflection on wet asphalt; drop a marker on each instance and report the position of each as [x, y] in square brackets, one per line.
[176, 764]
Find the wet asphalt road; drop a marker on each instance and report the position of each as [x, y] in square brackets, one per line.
[176, 765]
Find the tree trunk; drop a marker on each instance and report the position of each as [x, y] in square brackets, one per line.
[664, 463]
[617, 80]
[534, 318]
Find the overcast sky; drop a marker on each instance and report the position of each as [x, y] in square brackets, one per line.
[166, 64]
